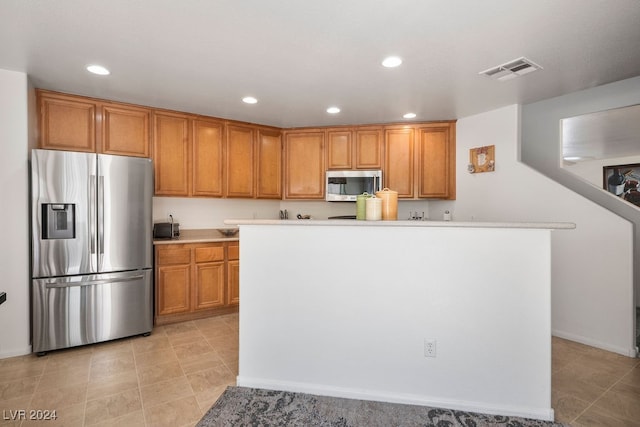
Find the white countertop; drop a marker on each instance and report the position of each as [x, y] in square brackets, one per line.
[405, 223]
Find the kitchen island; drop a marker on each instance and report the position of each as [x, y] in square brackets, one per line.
[448, 314]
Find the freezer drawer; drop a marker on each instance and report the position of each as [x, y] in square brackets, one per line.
[72, 311]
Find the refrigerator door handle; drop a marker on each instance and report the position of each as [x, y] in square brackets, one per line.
[92, 212]
[93, 282]
[100, 219]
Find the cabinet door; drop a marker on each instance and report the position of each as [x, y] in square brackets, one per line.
[66, 123]
[269, 164]
[233, 251]
[209, 285]
[339, 149]
[209, 252]
[172, 286]
[433, 162]
[233, 282]
[171, 154]
[207, 158]
[240, 161]
[398, 174]
[304, 165]
[368, 148]
[125, 130]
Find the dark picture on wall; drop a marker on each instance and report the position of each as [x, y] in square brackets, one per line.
[622, 180]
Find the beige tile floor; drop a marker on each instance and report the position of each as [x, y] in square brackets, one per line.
[593, 387]
[172, 377]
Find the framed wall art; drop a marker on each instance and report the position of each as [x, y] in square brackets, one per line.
[622, 180]
[482, 159]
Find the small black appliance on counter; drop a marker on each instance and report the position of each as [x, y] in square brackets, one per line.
[166, 230]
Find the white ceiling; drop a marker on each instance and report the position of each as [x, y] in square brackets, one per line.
[300, 57]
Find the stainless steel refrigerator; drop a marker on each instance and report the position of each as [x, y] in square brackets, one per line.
[91, 248]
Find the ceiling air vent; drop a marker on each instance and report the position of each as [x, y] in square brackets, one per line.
[512, 69]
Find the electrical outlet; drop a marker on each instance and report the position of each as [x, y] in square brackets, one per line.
[429, 348]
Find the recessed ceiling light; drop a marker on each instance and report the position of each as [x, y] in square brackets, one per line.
[333, 110]
[98, 69]
[410, 116]
[249, 100]
[391, 62]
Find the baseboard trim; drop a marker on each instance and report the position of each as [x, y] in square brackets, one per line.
[629, 352]
[15, 352]
[546, 414]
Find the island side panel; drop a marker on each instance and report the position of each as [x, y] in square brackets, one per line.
[345, 311]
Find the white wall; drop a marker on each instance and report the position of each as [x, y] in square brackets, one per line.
[14, 215]
[540, 125]
[592, 267]
[345, 310]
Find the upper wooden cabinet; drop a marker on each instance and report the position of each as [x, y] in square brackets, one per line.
[304, 164]
[199, 156]
[398, 174]
[125, 130]
[354, 148]
[368, 147]
[269, 164]
[436, 162]
[204, 157]
[207, 158]
[254, 162]
[171, 154]
[188, 154]
[240, 162]
[339, 149]
[75, 123]
[420, 160]
[66, 122]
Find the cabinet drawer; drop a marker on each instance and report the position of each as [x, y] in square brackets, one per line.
[174, 256]
[234, 252]
[210, 253]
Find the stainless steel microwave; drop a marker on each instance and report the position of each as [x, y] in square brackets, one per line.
[345, 186]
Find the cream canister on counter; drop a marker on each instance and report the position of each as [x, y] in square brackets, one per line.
[361, 206]
[389, 204]
[373, 209]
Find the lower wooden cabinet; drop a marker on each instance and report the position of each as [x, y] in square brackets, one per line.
[195, 280]
[233, 274]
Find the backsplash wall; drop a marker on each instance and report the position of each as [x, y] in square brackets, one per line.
[195, 213]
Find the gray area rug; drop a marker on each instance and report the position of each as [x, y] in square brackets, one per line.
[241, 406]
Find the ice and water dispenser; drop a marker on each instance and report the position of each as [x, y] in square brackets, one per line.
[58, 220]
